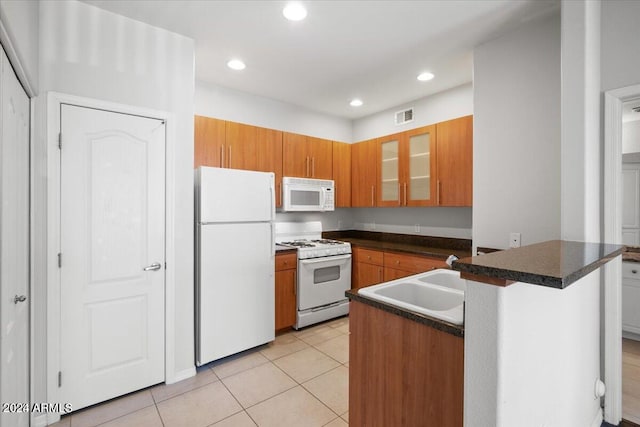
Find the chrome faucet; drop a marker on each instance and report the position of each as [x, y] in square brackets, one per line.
[451, 260]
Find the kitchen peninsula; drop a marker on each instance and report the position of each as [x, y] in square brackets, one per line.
[532, 334]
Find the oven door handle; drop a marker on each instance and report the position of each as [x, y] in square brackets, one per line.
[325, 259]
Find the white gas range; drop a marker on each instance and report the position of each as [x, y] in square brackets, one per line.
[324, 271]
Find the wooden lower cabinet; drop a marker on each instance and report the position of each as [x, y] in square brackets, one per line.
[285, 289]
[401, 372]
[370, 267]
[401, 265]
[367, 268]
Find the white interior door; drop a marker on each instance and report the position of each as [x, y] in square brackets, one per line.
[14, 248]
[112, 254]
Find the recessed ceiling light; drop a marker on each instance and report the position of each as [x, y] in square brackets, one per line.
[355, 102]
[236, 64]
[294, 12]
[423, 77]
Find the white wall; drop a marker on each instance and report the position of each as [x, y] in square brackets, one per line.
[528, 372]
[229, 104]
[516, 136]
[620, 50]
[89, 52]
[631, 137]
[434, 221]
[20, 24]
[446, 105]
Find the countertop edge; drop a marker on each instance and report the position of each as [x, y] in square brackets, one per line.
[438, 324]
[540, 279]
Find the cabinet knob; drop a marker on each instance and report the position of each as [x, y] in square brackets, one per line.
[397, 262]
[368, 256]
[286, 262]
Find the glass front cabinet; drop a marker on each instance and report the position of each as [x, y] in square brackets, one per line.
[407, 168]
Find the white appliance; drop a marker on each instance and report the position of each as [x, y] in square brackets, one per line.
[305, 195]
[235, 261]
[324, 272]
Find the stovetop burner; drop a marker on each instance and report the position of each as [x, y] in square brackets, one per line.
[299, 244]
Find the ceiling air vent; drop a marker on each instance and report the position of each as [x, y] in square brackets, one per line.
[404, 116]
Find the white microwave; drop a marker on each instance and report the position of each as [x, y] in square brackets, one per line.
[306, 195]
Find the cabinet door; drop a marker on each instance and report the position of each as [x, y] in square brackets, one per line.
[209, 139]
[364, 176]
[268, 156]
[366, 275]
[393, 274]
[455, 162]
[285, 286]
[321, 158]
[418, 167]
[240, 148]
[295, 156]
[342, 174]
[389, 166]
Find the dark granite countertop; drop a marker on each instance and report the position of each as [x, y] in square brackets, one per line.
[631, 254]
[556, 263]
[437, 247]
[432, 322]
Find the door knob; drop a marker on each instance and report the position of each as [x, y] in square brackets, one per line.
[154, 266]
[21, 298]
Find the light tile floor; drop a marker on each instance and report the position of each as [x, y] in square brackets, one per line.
[631, 380]
[301, 379]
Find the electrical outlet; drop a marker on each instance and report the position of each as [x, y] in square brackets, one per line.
[514, 240]
[416, 228]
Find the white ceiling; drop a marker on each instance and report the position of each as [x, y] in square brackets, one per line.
[372, 50]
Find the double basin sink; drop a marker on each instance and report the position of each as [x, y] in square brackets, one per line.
[437, 293]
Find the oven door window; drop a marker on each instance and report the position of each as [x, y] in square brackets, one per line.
[326, 274]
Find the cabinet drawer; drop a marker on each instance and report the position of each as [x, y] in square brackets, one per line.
[631, 270]
[286, 261]
[368, 256]
[412, 263]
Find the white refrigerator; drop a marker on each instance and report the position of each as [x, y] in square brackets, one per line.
[235, 261]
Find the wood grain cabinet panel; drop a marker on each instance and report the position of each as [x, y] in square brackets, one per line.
[209, 139]
[307, 157]
[401, 372]
[455, 162]
[268, 155]
[285, 290]
[367, 267]
[412, 263]
[364, 175]
[342, 174]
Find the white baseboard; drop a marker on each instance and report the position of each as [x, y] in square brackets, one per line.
[41, 420]
[630, 335]
[182, 375]
[597, 421]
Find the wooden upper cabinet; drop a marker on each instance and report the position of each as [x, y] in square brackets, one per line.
[295, 160]
[364, 176]
[307, 157]
[420, 169]
[268, 156]
[455, 162]
[241, 147]
[209, 138]
[342, 174]
[407, 168]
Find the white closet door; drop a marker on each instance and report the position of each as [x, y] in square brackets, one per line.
[112, 246]
[14, 247]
